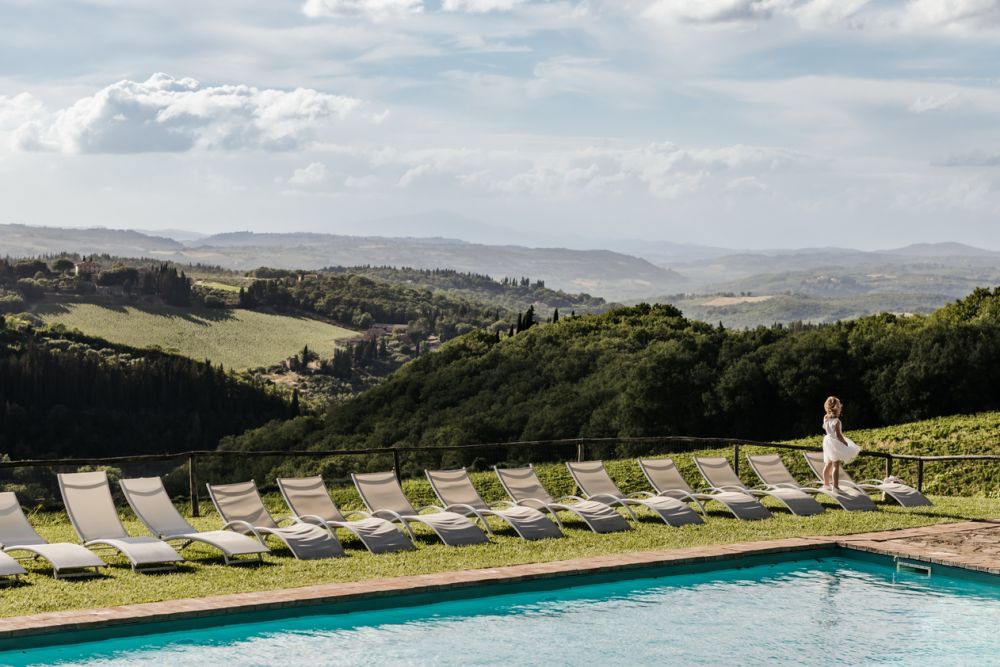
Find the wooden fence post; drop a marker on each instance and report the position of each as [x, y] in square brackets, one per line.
[736, 460]
[580, 451]
[396, 464]
[193, 487]
[888, 466]
[920, 475]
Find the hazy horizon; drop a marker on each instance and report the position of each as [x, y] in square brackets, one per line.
[746, 124]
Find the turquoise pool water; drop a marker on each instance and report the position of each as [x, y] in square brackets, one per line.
[822, 611]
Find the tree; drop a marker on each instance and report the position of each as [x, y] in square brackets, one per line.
[63, 265]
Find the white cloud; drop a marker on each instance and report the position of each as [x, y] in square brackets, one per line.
[480, 6]
[163, 114]
[378, 10]
[373, 9]
[820, 14]
[312, 174]
[887, 16]
[17, 110]
[713, 11]
[661, 170]
[956, 15]
[933, 103]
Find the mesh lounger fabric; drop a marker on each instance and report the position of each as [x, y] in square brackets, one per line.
[17, 535]
[149, 500]
[594, 481]
[905, 495]
[310, 502]
[772, 471]
[10, 567]
[719, 474]
[455, 490]
[92, 512]
[524, 488]
[382, 494]
[667, 480]
[240, 505]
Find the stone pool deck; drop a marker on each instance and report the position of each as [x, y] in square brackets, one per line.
[973, 545]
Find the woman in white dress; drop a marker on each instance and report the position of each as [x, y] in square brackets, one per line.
[838, 449]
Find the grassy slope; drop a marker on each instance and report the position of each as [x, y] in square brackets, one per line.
[235, 338]
[943, 436]
[205, 575]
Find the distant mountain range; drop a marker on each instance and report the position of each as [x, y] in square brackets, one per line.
[627, 270]
[604, 273]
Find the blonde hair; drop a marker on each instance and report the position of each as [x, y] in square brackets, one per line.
[833, 406]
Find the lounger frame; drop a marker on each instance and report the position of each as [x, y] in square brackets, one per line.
[346, 523]
[276, 529]
[742, 506]
[902, 495]
[406, 517]
[554, 505]
[17, 535]
[481, 510]
[123, 541]
[781, 495]
[191, 534]
[847, 502]
[614, 497]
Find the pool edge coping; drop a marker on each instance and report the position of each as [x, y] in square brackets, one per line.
[881, 543]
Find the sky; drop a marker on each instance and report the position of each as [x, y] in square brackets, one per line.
[736, 123]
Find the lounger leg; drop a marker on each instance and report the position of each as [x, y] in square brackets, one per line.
[555, 517]
[629, 510]
[409, 530]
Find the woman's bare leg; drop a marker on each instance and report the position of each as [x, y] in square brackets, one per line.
[836, 475]
[827, 469]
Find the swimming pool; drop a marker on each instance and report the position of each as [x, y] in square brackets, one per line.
[830, 609]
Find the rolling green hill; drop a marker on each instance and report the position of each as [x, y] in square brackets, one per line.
[236, 338]
[648, 371]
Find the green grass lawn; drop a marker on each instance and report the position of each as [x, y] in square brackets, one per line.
[235, 338]
[204, 574]
[214, 284]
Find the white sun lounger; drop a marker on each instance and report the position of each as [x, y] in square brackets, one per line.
[17, 536]
[772, 471]
[667, 480]
[905, 495]
[10, 569]
[596, 484]
[92, 512]
[456, 492]
[721, 477]
[383, 496]
[150, 502]
[242, 509]
[310, 502]
[524, 488]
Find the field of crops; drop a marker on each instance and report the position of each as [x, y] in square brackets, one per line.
[235, 338]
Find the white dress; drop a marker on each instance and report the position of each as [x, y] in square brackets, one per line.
[833, 448]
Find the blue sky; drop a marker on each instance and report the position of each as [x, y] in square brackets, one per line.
[749, 123]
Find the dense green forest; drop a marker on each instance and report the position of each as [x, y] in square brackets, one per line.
[513, 293]
[360, 302]
[65, 394]
[647, 370]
